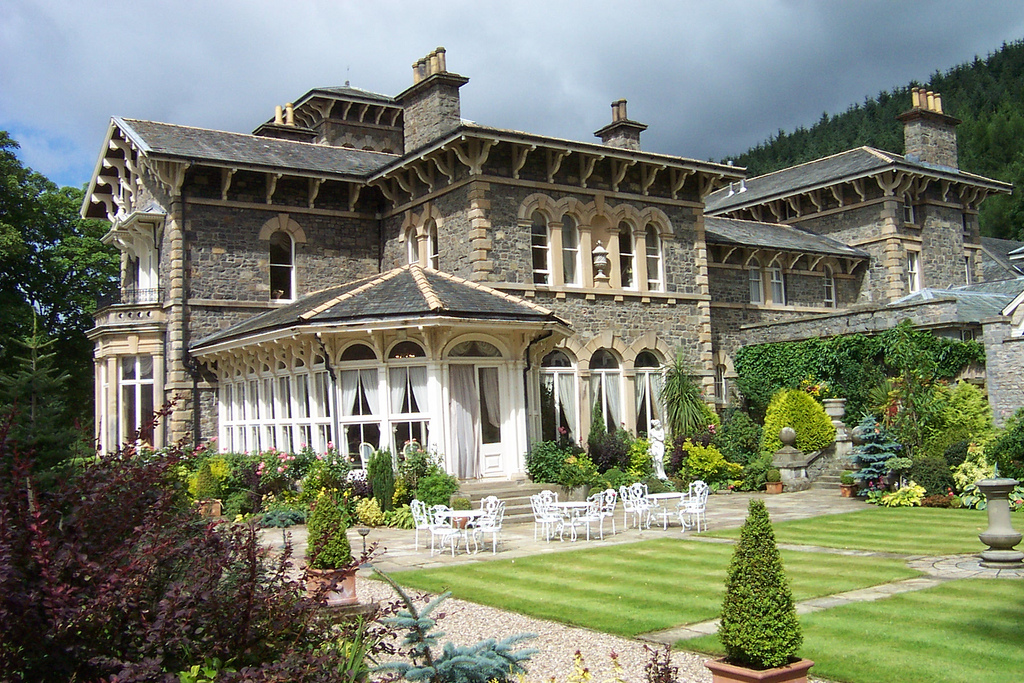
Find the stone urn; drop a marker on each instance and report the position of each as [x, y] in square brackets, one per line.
[1000, 536]
[835, 408]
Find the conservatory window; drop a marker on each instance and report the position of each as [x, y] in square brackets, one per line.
[558, 392]
[539, 244]
[282, 270]
[407, 388]
[648, 383]
[137, 399]
[605, 388]
[655, 277]
[570, 251]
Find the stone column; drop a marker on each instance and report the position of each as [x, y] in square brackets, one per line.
[1000, 537]
[791, 462]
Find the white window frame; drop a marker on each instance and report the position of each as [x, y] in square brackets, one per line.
[830, 286]
[137, 387]
[412, 250]
[540, 276]
[777, 279]
[627, 258]
[913, 271]
[599, 382]
[432, 244]
[554, 373]
[648, 379]
[571, 251]
[909, 212]
[287, 268]
[755, 280]
[721, 384]
[655, 261]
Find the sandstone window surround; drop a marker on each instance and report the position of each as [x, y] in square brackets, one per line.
[909, 213]
[282, 266]
[559, 392]
[648, 382]
[913, 271]
[432, 244]
[412, 250]
[655, 262]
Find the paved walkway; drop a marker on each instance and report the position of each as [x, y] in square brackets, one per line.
[397, 550]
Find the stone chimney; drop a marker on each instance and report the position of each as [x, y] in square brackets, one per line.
[431, 105]
[929, 136]
[621, 132]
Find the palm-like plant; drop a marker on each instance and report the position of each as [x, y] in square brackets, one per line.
[684, 407]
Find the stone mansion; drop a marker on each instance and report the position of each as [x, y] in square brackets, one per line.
[365, 270]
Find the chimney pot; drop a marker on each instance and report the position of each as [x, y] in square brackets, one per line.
[931, 101]
[441, 62]
[289, 114]
[938, 103]
[278, 115]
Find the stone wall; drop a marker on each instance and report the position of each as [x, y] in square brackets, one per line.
[1004, 360]
[942, 246]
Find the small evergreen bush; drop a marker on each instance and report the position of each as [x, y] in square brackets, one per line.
[755, 474]
[707, 464]
[1008, 449]
[437, 488]
[740, 438]
[797, 409]
[207, 486]
[461, 504]
[773, 476]
[328, 546]
[759, 626]
[933, 474]
[368, 512]
[956, 453]
[544, 462]
[878, 447]
[609, 449]
[381, 474]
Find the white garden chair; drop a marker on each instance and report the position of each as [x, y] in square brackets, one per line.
[420, 518]
[608, 508]
[693, 505]
[576, 517]
[441, 529]
[635, 502]
[545, 517]
[490, 522]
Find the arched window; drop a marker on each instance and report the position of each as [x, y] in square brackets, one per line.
[412, 250]
[605, 388]
[539, 244]
[570, 251]
[407, 389]
[474, 349]
[655, 277]
[626, 258]
[830, 287]
[648, 382]
[778, 280]
[432, 244]
[756, 284]
[721, 384]
[559, 413]
[359, 414]
[282, 270]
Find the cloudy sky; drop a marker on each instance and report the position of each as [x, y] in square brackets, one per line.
[710, 78]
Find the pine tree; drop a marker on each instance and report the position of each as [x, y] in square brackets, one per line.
[32, 392]
[759, 627]
[877, 448]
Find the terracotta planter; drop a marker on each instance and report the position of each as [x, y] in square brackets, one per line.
[847, 490]
[723, 672]
[340, 586]
[210, 507]
[773, 487]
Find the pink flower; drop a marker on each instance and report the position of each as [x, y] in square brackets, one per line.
[319, 457]
[280, 470]
[302, 445]
[330, 445]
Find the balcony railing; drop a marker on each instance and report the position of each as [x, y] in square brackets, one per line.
[132, 297]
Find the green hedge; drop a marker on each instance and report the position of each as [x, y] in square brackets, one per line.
[850, 365]
[797, 409]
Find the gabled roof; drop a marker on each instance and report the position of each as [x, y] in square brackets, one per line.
[774, 236]
[845, 166]
[406, 295]
[1002, 262]
[172, 141]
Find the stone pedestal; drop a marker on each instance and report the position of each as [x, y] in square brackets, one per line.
[1000, 536]
[791, 462]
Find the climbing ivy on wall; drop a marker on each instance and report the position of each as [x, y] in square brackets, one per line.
[850, 366]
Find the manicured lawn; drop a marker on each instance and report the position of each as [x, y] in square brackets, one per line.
[967, 630]
[911, 531]
[634, 588]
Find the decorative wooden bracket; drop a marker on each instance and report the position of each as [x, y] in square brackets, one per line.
[678, 179]
[619, 169]
[519, 155]
[554, 162]
[648, 173]
[353, 195]
[272, 179]
[587, 163]
[314, 189]
[226, 175]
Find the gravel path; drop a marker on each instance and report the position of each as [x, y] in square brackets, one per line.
[466, 623]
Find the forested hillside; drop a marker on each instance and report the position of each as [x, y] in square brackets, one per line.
[987, 94]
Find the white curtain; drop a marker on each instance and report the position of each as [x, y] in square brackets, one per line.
[349, 383]
[657, 382]
[464, 409]
[398, 385]
[418, 381]
[567, 398]
[641, 392]
[489, 395]
[368, 380]
[611, 387]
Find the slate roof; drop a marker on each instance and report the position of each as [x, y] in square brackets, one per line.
[974, 303]
[223, 148]
[348, 91]
[1000, 263]
[406, 293]
[848, 165]
[775, 236]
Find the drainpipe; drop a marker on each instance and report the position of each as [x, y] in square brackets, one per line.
[192, 365]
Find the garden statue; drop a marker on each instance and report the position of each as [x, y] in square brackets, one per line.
[657, 438]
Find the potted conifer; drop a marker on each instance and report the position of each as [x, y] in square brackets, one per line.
[773, 481]
[847, 485]
[758, 626]
[207, 492]
[330, 570]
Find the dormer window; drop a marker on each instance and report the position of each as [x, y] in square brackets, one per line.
[282, 270]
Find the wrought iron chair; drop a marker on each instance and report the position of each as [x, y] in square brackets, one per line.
[693, 505]
[545, 517]
[577, 517]
[490, 522]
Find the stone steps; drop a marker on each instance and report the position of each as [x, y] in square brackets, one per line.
[515, 493]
